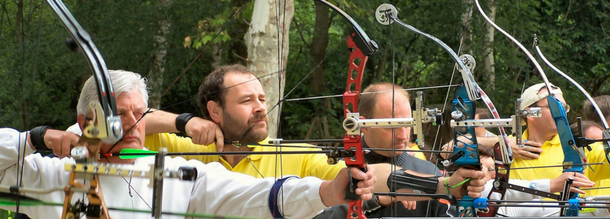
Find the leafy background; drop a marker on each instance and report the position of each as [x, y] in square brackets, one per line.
[40, 78]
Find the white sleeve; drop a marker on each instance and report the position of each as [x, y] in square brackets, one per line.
[224, 193]
[75, 129]
[13, 146]
[34, 171]
[540, 184]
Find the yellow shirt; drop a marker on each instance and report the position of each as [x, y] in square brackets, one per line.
[418, 154]
[273, 165]
[553, 155]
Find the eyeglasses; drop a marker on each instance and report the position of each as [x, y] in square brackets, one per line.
[566, 107]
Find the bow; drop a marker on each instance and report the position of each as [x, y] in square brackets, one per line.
[104, 125]
[464, 108]
[107, 125]
[606, 131]
[572, 158]
[360, 46]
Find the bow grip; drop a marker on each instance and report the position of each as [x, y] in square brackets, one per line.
[350, 189]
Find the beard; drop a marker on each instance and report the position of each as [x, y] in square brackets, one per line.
[235, 130]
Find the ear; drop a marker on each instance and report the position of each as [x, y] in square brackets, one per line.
[80, 119]
[529, 119]
[215, 111]
[364, 130]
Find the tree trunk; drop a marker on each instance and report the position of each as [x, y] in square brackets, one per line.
[269, 30]
[155, 74]
[466, 30]
[23, 107]
[317, 53]
[490, 72]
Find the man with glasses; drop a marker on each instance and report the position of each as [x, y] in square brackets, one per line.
[542, 143]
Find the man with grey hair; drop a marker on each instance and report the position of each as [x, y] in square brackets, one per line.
[216, 191]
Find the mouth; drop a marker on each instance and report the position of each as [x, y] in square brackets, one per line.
[259, 121]
[400, 146]
[129, 138]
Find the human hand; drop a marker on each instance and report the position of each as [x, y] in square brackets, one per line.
[333, 192]
[580, 180]
[205, 132]
[530, 150]
[474, 186]
[409, 205]
[61, 142]
[385, 200]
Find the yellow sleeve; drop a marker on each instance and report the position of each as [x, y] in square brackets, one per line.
[175, 143]
[597, 155]
[318, 166]
[419, 154]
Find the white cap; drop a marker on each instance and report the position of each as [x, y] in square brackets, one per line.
[531, 96]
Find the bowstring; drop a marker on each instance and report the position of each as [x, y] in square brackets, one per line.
[459, 51]
[280, 65]
[393, 158]
[115, 144]
[21, 170]
[438, 128]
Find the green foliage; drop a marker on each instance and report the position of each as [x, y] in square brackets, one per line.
[41, 79]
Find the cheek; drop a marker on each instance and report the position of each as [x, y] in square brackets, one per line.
[383, 135]
[105, 148]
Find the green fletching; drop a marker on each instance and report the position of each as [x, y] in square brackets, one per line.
[137, 153]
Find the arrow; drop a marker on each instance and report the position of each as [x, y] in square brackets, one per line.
[129, 153]
[10, 199]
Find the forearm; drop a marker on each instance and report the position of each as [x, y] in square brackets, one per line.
[329, 198]
[384, 172]
[159, 121]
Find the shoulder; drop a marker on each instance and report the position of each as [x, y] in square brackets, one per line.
[413, 163]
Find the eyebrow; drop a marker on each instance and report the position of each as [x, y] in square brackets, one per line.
[135, 110]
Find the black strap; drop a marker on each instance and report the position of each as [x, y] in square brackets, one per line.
[275, 190]
[181, 121]
[37, 137]
[400, 179]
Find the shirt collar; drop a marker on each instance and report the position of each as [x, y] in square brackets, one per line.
[555, 140]
[260, 148]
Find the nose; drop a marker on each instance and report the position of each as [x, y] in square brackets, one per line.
[129, 120]
[260, 107]
[401, 134]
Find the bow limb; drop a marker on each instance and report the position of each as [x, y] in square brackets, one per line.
[109, 129]
[571, 154]
[606, 132]
[361, 46]
[106, 124]
[463, 106]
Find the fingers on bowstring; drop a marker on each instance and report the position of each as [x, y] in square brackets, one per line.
[220, 139]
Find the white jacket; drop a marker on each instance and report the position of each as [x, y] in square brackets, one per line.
[216, 191]
[545, 209]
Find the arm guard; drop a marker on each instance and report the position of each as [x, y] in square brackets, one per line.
[399, 179]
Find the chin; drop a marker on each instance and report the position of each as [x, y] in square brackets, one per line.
[397, 153]
[260, 133]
